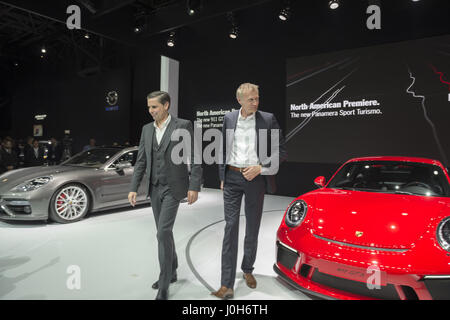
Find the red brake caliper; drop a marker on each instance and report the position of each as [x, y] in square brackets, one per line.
[60, 202]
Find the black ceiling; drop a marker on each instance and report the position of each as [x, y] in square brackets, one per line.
[27, 25]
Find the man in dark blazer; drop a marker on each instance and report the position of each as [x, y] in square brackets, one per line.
[252, 148]
[169, 180]
[34, 156]
[55, 152]
[8, 157]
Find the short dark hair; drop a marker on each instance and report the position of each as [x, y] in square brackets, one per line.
[162, 96]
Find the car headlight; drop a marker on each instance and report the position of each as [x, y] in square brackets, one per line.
[443, 234]
[296, 213]
[33, 184]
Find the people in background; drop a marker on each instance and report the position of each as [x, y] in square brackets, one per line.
[55, 152]
[34, 156]
[90, 145]
[8, 157]
[20, 145]
[28, 146]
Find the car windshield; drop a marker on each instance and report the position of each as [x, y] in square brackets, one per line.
[399, 177]
[91, 158]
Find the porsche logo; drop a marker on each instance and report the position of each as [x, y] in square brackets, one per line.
[112, 97]
[359, 234]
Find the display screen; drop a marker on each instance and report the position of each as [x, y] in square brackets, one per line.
[388, 100]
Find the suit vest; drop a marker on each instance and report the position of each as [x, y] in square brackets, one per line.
[159, 167]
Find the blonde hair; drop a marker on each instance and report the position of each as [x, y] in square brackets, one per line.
[246, 87]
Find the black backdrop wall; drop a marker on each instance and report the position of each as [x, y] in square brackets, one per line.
[211, 68]
[73, 103]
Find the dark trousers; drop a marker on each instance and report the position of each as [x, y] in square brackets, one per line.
[165, 208]
[235, 187]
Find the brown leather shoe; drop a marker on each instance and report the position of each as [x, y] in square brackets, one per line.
[250, 280]
[224, 293]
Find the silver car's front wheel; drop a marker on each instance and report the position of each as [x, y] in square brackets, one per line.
[69, 204]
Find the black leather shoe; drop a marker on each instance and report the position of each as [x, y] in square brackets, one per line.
[156, 284]
[162, 295]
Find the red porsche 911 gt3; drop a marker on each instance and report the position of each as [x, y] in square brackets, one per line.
[379, 229]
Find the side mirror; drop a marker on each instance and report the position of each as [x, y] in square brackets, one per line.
[320, 181]
[123, 165]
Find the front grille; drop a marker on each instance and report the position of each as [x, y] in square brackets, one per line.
[15, 206]
[286, 257]
[355, 287]
[439, 289]
[20, 209]
[410, 293]
[304, 270]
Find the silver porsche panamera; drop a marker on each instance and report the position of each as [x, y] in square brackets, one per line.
[93, 180]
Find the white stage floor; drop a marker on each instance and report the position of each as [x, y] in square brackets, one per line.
[116, 253]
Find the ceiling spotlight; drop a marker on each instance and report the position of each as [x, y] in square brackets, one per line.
[16, 64]
[285, 12]
[171, 39]
[234, 32]
[43, 50]
[86, 35]
[193, 6]
[333, 4]
[140, 22]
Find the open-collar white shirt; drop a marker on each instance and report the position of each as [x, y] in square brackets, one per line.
[160, 131]
[243, 152]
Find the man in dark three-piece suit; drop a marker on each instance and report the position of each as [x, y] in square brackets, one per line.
[252, 148]
[169, 180]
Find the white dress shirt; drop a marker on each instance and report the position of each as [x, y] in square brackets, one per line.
[243, 152]
[160, 131]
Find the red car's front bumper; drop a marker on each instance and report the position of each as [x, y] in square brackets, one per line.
[317, 274]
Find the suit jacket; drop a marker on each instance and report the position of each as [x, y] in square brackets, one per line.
[178, 174]
[263, 120]
[55, 153]
[30, 157]
[7, 159]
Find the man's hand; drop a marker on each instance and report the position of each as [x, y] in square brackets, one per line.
[250, 173]
[192, 196]
[132, 198]
[221, 185]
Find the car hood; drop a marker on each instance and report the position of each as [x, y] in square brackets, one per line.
[374, 219]
[11, 179]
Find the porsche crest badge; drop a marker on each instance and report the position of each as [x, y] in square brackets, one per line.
[359, 234]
